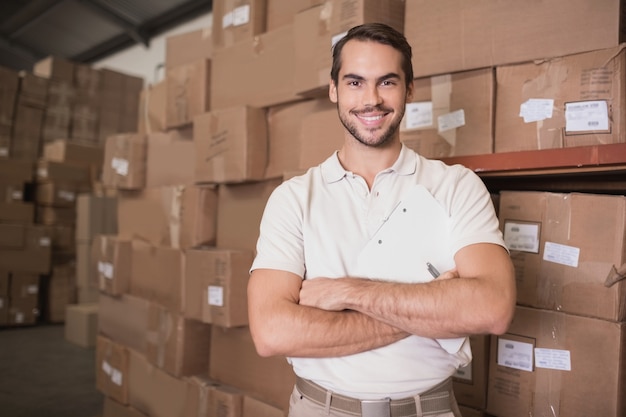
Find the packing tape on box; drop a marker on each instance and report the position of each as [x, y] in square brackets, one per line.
[440, 93]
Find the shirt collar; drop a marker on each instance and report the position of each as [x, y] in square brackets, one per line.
[406, 164]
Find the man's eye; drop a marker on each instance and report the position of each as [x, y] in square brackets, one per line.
[387, 82]
[354, 83]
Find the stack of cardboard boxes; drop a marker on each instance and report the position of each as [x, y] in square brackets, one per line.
[50, 154]
[244, 105]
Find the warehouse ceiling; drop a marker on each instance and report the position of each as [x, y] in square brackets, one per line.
[85, 30]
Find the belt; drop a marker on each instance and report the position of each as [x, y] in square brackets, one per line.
[435, 401]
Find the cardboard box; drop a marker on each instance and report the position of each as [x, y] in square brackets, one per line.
[236, 20]
[280, 13]
[60, 291]
[230, 145]
[317, 29]
[112, 369]
[567, 249]
[176, 344]
[54, 67]
[575, 100]
[549, 364]
[5, 140]
[33, 90]
[272, 55]
[9, 81]
[88, 81]
[125, 161]
[152, 108]
[17, 212]
[227, 400]
[234, 362]
[321, 134]
[26, 141]
[451, 115]
[4, 298]
[157, 274]
[255, 408]
[81, 324]
[49, 216]
[95, 215]
[59, 194]
[284, 124]
[471, 412]
[62, 150]
[17, 170]
[449, 36]
[215, 286]
[176, 216]
[63, 172]
[111, 259]
[124, 319]
[470, 382]
[152, 390]
[23, 312]
[199, 390]
[112, 408]
[188, 92]
[32, 254]
[24, 299]
[185, 48]
[239, 211]
[171, 158]
[12, 191]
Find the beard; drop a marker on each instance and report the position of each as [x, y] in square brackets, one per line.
[370, 137]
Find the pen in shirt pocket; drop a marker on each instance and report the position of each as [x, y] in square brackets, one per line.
[433, 271]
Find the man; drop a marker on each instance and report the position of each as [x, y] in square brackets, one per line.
[346, 282]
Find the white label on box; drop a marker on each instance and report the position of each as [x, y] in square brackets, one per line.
[32, 289]
[553, 359]
[451, 120]
[106, 368]
[522, 237]
[216, 296]
[227, 20]
[464, 373]
[17, 195]
[42, 172]
[19, 317]
[120, 166]
[561, 254]
[4, 151]
[45, 241]
[583, 116]
[517, 355]
[106, 269]
[241, 15]
[116, 376]
[419, 115]
[66, 195]
[536, 109]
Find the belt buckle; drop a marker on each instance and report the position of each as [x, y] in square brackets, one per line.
[376, 408]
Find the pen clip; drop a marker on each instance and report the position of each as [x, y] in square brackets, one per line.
[433, 271]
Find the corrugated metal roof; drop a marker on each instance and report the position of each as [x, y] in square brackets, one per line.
[84, 30]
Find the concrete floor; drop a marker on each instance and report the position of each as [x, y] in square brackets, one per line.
[43, 375]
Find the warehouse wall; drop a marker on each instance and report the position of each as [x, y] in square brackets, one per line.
[147, 62]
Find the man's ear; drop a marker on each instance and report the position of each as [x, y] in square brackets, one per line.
[409, 91]
[332, 91]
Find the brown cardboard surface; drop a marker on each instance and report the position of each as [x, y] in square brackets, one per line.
[321, 134]
[199, 391]
[17, 212]
[124, 319]
[564, 246]
[187, 47]
[280, 13]
[17, 169]
[34, 256]
[60, 291]
[569, 376]
[234, 362]
[178, 345]
[170, 158]
[95, 215]
[111, 259]
[236, 20]
[215, 286]
[81, 324]
[48, 215]
[112, 369]
[152, 108]
[449, 36]
[125, 161]
[33, 90]
[63, 172]
[176, 216]
[59, 194]
[255, 408]
[587, 95]
[152, 390]
[272, 55]
[239, 211]
[112, 408]
[55, 68]
[230, 145]
[470, 382]
[27, 127]
[62, 150]
[451, 115]
[188, 92]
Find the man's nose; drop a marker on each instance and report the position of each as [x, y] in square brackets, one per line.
[372, 96]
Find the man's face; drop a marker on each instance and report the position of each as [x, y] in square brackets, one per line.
[371, 92]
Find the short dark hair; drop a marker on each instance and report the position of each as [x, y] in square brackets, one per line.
[375, 32]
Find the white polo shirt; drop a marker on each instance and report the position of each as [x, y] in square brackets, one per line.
[326, 223]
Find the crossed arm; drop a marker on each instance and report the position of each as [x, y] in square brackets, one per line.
[325, 317]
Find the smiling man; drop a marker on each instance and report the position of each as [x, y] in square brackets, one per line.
[346, 283]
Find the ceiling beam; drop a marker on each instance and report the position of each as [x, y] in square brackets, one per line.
[133, 31]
